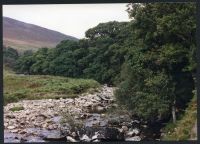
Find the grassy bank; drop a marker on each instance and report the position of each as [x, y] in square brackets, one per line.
[17, 87]
[183, 128]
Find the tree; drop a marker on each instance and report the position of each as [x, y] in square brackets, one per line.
[110, 29]
[165, 34]
[10, 56]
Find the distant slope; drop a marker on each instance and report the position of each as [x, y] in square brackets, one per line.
[24, 36]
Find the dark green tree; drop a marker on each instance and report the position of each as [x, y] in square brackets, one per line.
[165, 55]
[10, 56]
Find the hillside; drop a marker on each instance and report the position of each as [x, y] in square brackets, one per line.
[24, 36]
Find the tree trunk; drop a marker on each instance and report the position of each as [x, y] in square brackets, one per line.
[174, 112]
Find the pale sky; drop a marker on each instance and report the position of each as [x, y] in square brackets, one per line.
[70, 19]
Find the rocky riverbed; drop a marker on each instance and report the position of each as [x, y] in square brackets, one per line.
[84, 118]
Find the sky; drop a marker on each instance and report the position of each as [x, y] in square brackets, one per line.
[70, 19]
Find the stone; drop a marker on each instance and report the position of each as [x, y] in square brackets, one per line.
[11, 127]
[54, 137]
[70, 139]
[96, 140]
[73, 134]
[136, 131]
[22, 132]
[85, 138]
[76, 117]
[133, 132]
[43, 115]
[125, 128]
[36, 124]
[44, 125]
[120, 130]
[5, 124]
[10, 116]
[87, 104]
[14, 130]
[114, 105]
[35, 140]
[136, 123]
[100, 109]
[110, 134]
[97, 98]
[135, 138]
[95, 137]
[113, 122]
[50, 100]
[129, 133]
[8, 140]
[144, 126]
[55, 126]
[103, 115]
[50, 127]
[22, 123]
[48, 121]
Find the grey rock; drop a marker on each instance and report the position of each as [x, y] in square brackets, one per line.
[54, 137]
[70, 139]
[135, 138]
[125, 128]
[11, 127]
[85, 138]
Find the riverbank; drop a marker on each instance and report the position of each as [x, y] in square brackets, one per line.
[33, 87]
[186, 127]
[89, 117]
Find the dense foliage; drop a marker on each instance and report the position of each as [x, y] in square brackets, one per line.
[159, 78]
[152, 57]
[99, 56]
[10, 56]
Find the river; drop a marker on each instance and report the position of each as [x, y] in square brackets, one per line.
[85, 118]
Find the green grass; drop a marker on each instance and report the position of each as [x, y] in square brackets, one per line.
[182, 129]
[18, 87]
[17, 108]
